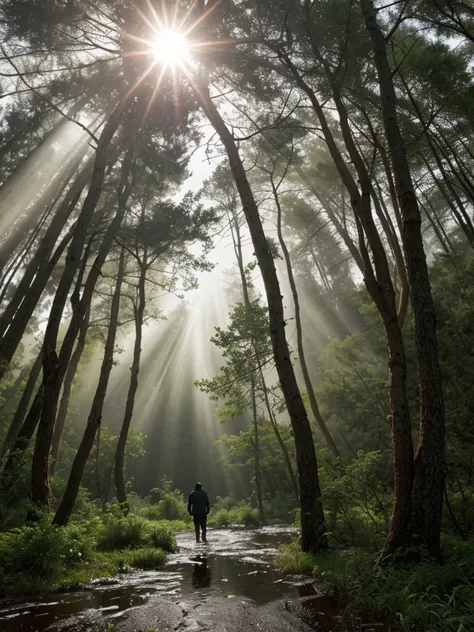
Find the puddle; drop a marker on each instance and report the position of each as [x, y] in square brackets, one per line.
[236, 563]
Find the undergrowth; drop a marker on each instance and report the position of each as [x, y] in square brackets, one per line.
[420, 597]
[41, 556]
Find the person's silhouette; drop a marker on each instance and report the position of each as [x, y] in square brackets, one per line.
[198, 508]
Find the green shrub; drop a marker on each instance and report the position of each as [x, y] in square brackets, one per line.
[423, 597]
[292, 560]
[163, 537]
[121, 531]
[147, 558]
[40, 549]
[248, 516]
[220, 518]
[172, 507]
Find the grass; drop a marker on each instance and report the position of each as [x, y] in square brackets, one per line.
[42, 558]
[425, 596]
[243, 515]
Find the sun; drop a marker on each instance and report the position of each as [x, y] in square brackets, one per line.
[170, 48]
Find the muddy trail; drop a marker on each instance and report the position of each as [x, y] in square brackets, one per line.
[229, 585]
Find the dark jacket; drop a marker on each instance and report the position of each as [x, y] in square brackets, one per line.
[198, 503]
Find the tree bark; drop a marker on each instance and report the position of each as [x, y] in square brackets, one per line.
[281, 443]
[66, 394]
[95, 416]
[256, 446]
[12, 338]
[41, 257]
[23, 437]
[132, 389]
[299, 335]
[380, 287]
[20, 412]
[54, 367]
[312, 514]
[430, 453]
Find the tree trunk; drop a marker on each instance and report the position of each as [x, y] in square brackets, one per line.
[299, 335]
[380, 287]
[54, 367]
[256, 446]
[23, 437]
[20, 412]
[95, 416]
[28, 221]
[429, 457]
[132, 389]
[281, 443]
[17, 327]
[66, 394]
[41, 257]
[312, 515]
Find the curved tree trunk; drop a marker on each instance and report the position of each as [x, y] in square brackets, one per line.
[24, 436]
[132, 390]
[28, 220]
[20, 412]
[66, 394]
[312, 515]
[299, 334]
[41, 257]
[95, 416]
[54, 367]
[429, 458]
[12, 338]
[380, 287]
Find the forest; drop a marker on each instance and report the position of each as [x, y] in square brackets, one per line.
[237, 246]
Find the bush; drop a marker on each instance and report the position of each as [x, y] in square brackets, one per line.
[163, 537]
[426, 596]
[40, 549]
[248, 516]
[122, 531]
[242, 515]
[292, 560]
[172, 507]
[220, 518]
[147, 558]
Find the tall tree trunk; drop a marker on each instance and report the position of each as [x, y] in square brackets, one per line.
[256, 446]
[23, 437]
[66, 394]
[312, 515]
[299, 334]
[430, 453]
[281, 443]
[132, 389]
[41, 257]
[12, 338]
[95, 416]
[28, 221]
[54, 367]
[20, 412]
[237, 241]
[380, 287]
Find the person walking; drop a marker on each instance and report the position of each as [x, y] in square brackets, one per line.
[198, 508]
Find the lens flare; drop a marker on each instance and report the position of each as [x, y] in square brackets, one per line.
[170, 48]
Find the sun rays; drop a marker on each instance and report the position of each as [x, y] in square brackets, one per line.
[170, 48]
[169, 42]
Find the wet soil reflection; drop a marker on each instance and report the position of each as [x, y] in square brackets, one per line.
[237, 562]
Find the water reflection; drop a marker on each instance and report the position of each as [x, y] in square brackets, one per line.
[201, 572]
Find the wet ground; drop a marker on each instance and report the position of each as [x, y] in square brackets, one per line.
[231, 582]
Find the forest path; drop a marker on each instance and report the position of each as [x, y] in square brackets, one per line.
[229, 585]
